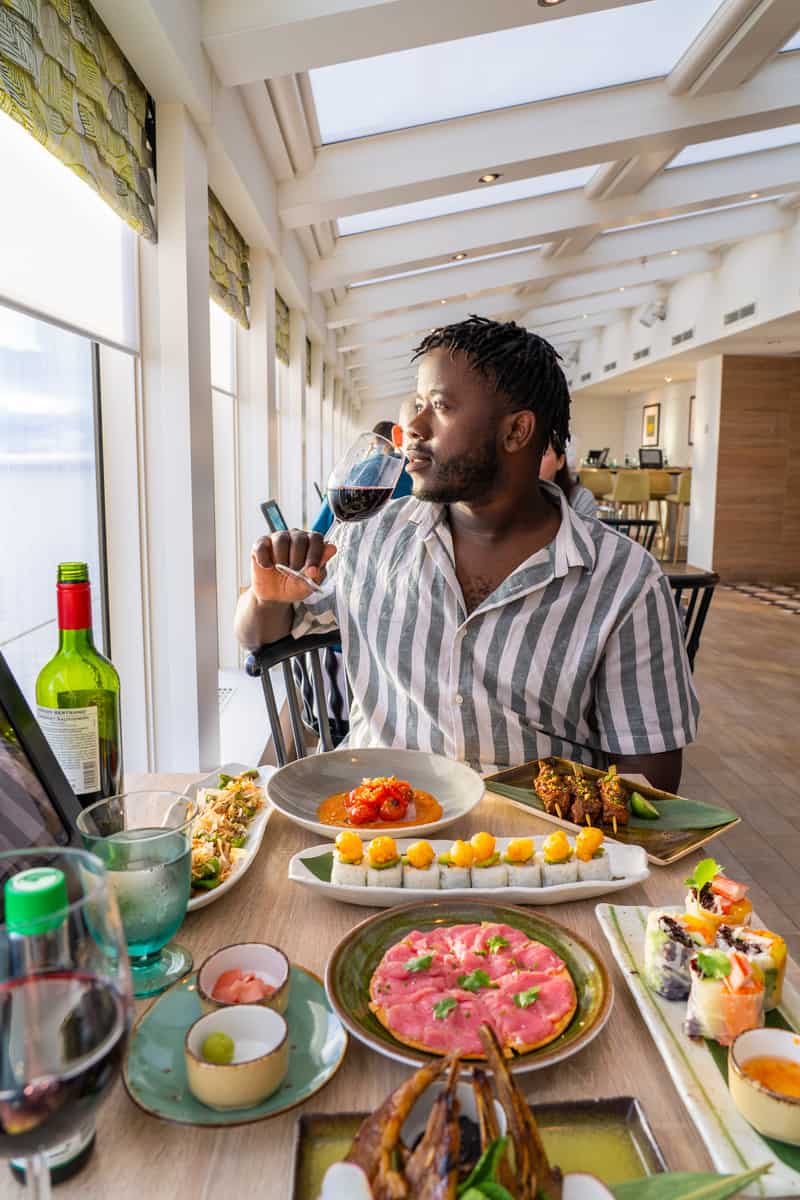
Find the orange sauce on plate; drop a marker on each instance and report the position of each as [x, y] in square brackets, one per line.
[333, 812]
[780, 1075]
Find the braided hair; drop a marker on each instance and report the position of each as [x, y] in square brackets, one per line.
[519, 364]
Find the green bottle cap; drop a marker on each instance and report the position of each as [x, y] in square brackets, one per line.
[73, 572]
[36, 900]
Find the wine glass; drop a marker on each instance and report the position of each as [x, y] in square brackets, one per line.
[359, 485]
[144, 840]
[65, 1004]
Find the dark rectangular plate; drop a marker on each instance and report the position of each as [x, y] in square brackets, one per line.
[611, 1138]
[662, 847]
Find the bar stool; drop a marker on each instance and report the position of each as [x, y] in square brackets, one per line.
[683, 499]
[631, 491]
[660, 488]
[598, 481]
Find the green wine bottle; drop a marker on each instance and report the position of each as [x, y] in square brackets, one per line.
[77, 696]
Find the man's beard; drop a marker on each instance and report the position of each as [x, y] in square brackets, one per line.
[467, 478]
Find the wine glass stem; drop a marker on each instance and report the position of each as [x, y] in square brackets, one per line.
[37, 1178]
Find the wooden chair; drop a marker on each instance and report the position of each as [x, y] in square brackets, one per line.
[660, 488]
[640, 530]
[693, 594]
[682, 499]
[304, 652]
[631, 491]
[597, 480]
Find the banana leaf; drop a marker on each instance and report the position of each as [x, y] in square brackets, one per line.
[321, 866]
[675, 814]
[686, 1185]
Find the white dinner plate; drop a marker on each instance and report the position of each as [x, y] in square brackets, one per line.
[298, 789]
[255, 831]
[628, 866]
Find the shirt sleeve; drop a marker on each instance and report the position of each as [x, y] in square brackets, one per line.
[582, 501]
[318, 613]
[644, 699]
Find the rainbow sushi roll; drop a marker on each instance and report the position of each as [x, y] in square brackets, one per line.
[384, 866]
[719, 900]
[671, 940]
[487, 871]
[455, 865]
[523, 868]
[420, 868]
[591, 855]
[726, 996]
[768, 952]
[559, 863]
[349, 868]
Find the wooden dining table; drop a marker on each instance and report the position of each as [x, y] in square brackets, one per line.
[138, 1157]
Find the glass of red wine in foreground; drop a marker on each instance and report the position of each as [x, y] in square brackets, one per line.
[360, 484]
[65, 1006]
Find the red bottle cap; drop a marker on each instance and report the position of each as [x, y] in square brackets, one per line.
[74, 605]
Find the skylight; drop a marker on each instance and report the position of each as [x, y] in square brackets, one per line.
[438, 206]
[465, 262]
[793, 43]
[699, 212]
[742, 143]
[512, 66]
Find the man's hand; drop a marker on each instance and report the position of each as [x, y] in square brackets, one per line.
[306, 552]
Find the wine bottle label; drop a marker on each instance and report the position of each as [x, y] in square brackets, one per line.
[74, 739]
[64, 1152]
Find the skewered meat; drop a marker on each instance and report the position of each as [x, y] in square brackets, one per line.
[615, 798]
[552, 789]
[586, 802]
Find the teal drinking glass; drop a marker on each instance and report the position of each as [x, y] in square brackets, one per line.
[144, 841]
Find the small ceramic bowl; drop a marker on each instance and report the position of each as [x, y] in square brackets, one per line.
[771, 1113]
[267, 962]
[260, 1060]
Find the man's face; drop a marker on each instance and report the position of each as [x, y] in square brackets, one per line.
[451, 437]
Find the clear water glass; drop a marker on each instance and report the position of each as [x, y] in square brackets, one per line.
[144, 841]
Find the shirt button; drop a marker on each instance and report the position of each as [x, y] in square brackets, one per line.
[459, 698]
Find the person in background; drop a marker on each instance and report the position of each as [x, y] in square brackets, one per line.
[555, 470]
[324, 519]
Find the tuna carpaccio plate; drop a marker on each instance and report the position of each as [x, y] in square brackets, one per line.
[433, 990]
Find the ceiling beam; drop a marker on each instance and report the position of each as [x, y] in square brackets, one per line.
[740, 37]
[570, 310]
[421, 320]
[546, 218]
[693, 233]
[259, 39]
[531, 139]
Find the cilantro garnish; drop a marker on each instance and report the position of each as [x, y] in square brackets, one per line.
[704, 872]
[526, 999]
[496, 942]
[474, 981]
[714, 964]
[441, 1009]
[418, 964]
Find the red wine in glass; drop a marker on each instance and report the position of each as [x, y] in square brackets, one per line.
[62, 1036]
[357, 503]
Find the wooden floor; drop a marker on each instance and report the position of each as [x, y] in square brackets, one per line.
[747, 756]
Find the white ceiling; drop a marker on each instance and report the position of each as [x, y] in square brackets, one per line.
[630, 140]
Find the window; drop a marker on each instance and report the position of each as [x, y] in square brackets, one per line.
[49, 484]
[226, 478]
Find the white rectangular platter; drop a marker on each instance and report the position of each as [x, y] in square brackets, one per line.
[255, 831]
[628, 866]
[732, 1143]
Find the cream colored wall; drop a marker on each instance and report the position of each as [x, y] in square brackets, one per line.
[597, 421]
[674, 428]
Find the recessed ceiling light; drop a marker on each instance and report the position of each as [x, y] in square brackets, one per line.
[443, 302]
[458, 257]
[673, 252]
[754, 195]
[667, 379]
[622, 289]
[549, 3]
[489, 177]
[585, 315]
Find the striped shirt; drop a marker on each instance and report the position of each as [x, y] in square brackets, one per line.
[578, 653]
[582, 501]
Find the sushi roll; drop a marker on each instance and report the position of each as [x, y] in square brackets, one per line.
[560, 864]
[420, 868]
[455, 864]
[488, 871]
[726, 997]
[384, 866]
[348, 867]
[523, 868]
[671, 940]
[721, 901]
[767, 950]
[591, 855]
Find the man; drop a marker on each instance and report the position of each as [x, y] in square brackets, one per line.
[481, 618]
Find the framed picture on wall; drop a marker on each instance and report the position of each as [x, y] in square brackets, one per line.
[691, 420]
[651, 424]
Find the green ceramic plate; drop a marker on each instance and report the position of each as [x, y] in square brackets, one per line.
[155, 1073]
[354, 960]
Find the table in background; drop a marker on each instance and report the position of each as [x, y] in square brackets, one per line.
[138, 1156]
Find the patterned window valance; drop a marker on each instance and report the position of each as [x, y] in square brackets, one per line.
[65, 79]
[308, 362]
[228, 263]
[281, 329]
